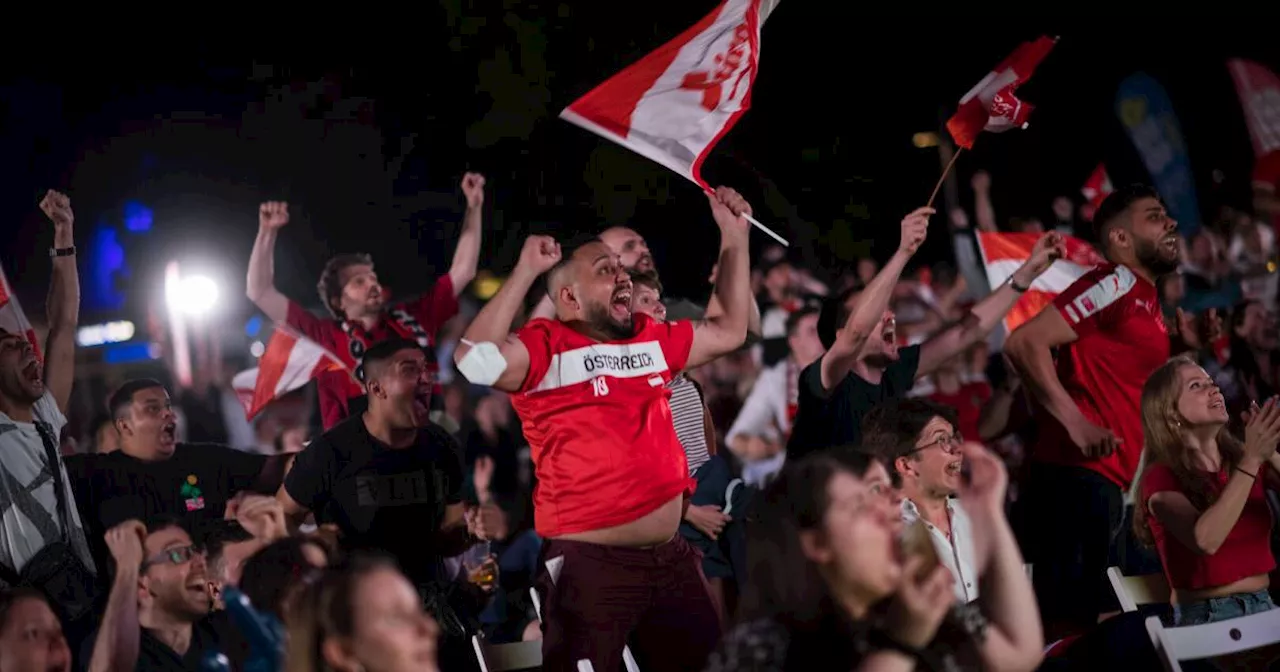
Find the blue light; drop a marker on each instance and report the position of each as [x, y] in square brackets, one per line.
[129, 353]
[137, 217]
[106, 261]
[253, 327]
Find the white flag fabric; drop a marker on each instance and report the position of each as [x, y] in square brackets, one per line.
[674, 104]
[12, 319]
[289, 362]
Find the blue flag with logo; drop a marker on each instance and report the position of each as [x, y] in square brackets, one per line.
[1147, 114]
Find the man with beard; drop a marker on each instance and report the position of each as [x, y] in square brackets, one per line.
[1110, 335]
[40, 529]
[862, 368]
[391, 481]
[351, 292]
[591, 390]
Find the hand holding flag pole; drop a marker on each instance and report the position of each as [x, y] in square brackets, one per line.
[755, 222]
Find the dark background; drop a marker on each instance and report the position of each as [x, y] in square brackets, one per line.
[366, 132]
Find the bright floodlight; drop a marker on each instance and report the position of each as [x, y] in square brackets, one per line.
[193, 295]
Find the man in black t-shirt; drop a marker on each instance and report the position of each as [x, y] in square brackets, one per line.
[154, 475]
[389, 479]
[864, 367]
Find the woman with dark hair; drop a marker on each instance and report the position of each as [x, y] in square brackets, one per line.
[31, 638]
[273, 576]
[362, 616]
[822, 557]
[1201, 500]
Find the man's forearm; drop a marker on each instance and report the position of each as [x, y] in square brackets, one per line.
[733, 284]
[466, 256]
[261, 275]
[63, 310]
[876, 295]
[1035, 362]
[118, 641]
[493, 323]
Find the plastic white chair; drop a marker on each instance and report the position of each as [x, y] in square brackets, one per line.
[1134, 591]
[1212, 640]
[506, 657]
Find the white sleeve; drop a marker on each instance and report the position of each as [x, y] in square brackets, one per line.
[759, 414]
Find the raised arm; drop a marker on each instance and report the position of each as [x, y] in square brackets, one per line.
[118, 642]
[507, 368]
[466, 256]
[718, 335]
[754, 330]
[842, 354]
[63, 305]
[988, 313]
[260, 284]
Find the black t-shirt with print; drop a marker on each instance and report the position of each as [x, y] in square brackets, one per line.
[379, 497]
[193, 484]
[826, 420]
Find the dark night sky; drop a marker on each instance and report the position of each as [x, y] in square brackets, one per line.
[368, 137]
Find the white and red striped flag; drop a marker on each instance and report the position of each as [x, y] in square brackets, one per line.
[289, 362]
[674, 104]
[1097, 187]
[992, 105]
[1259, 91]
[1003, 253]
[12, 319]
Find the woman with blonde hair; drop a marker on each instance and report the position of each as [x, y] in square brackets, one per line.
[1201, 499]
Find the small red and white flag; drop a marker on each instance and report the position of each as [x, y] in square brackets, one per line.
[992, 105]
[674, 104]
[289, 362]
[1097, 187]
[1259, 91]
[12, 319]
[1003, 253]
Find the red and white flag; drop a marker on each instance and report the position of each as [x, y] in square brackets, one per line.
[1097, 187]
[289, 362]
[674, 104]
[12, 319]
[1003, 253]
[992, 105]
[1259, 91]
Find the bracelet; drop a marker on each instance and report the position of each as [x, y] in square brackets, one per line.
[1018, 288]
[1254, 476]
[62, 251]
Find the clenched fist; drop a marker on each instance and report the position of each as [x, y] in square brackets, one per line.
[540, 253]
[473, 189]
[57, 207]
[729, 207]
[915, 227]
[272, 215]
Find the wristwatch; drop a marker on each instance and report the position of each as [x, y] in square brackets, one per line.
[1016, 287]
[62, 251]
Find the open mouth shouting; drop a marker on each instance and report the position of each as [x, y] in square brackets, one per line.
[620, 305]
[889, 334]
[32, 373]
[422, 405]
[1169, 245]
[169, 434]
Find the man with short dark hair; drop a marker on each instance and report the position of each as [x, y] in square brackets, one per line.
[351, 293]
[1111, 335]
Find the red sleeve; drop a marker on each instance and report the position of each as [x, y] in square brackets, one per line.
[676, 339]
[306, 323]
[1266, 172]
[1158, 478]
[436, 307]
[536, 337]
[1090, 303]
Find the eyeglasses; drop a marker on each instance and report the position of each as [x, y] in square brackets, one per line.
[949, 444]
[174, 556]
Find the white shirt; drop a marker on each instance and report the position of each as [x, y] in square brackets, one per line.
[29, 517]
[955, 553]
[764, 413]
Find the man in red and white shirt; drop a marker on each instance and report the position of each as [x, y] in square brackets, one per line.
[590, 388]
[1111, 335]
[350, 290]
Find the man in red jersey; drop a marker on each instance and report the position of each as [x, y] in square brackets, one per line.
[590, 388]
[1110, 336]
[352, 294]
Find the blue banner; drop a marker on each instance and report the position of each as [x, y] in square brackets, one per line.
[1147, 114]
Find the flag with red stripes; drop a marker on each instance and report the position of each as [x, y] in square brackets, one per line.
[992, 105]
[289, 362]
[673, 105]
[1097, 187]
[1003, 253]
[12, 319]
[1259, 91]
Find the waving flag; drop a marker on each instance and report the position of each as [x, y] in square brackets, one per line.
[1003, 253]
[1097, 187]
[289, 362]
[674, 104]
[992, 105]
[1259, 91]
[12, 319]
[1147, 114]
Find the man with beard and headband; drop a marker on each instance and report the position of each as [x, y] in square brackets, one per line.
[862, 368]
[590, 388]
[1110, 335]
[40, 529]
[351, 293]
[391, 481]
[153, 474]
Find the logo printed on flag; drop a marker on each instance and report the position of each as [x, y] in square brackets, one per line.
[993, 105]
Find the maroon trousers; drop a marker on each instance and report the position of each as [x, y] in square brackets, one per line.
[604, 597]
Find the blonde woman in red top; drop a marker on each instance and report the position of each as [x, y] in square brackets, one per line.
[1202, 499]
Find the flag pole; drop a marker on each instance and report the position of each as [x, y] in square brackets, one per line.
[762, 227]
[945, 171]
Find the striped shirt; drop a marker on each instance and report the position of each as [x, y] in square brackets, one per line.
[686, 415]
